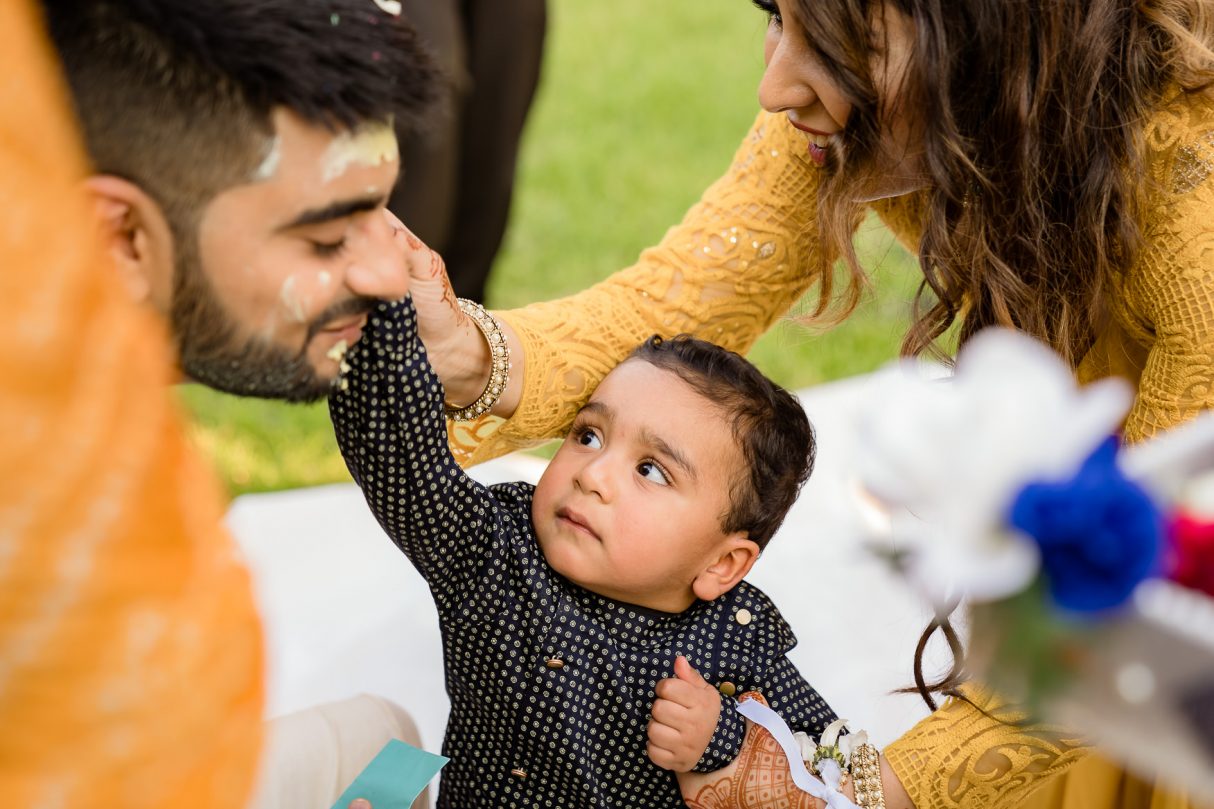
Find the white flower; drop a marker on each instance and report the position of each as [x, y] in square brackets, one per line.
[830, 735]
[806, 743]
[850, 742]
[1198, 496]
[947, 457]
[830, 745]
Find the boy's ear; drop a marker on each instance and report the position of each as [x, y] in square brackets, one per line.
[136, 236]
[736, 557]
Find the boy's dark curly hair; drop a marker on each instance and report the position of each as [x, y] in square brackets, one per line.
[773, 433]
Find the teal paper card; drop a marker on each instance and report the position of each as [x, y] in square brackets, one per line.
[394, 778]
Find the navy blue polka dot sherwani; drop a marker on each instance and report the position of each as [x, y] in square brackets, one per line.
[551, 685]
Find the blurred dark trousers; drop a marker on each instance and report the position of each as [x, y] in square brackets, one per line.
[458, 175]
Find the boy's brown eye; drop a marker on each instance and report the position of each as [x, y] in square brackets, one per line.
[588, 438]
[652, 472]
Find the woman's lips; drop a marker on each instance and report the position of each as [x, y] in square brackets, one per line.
[819, 142]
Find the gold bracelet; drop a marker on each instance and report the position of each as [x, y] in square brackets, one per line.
[499, 362]
[866, 775]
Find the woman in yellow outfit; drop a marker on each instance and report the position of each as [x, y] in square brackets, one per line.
[130, 650]
[1052, 164]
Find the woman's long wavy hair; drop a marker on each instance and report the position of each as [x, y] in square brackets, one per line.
[1031, 115]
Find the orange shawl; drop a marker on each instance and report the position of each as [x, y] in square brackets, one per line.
[130, 652]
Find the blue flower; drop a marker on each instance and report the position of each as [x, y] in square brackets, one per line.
[1099, 533]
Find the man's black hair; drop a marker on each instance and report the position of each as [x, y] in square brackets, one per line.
[177, 95]
[774, 436]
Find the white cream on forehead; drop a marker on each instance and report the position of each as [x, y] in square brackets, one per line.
[392, 7]
[367, 146]
[269, 164]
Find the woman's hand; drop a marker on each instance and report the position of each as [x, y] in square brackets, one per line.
[456, 348]
[759, 778]
[360, 803]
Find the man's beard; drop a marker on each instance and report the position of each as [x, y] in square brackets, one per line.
[212, 351]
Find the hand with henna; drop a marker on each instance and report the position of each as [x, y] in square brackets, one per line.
[455, 346]
[759, 778]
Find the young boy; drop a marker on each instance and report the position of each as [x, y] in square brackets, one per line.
[564, 606]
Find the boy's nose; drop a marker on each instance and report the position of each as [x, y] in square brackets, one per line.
[595, 478]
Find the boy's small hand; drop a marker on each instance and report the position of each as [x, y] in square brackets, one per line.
[685, 716]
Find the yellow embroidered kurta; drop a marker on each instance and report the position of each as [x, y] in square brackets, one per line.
[745, 254]
[130, 652]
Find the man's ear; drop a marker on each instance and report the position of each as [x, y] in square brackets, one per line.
[735, 557]
[137, 237]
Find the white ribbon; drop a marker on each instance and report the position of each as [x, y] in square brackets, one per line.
[770, 721]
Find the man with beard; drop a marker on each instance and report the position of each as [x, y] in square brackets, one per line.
[243, 154]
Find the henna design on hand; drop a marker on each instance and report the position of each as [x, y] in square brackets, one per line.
[759, 778]
[438, 270]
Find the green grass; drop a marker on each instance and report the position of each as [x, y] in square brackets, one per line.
[641, 107]
[260, 446]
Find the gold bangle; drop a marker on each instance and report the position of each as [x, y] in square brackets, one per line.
[866, 775]
[499, 363]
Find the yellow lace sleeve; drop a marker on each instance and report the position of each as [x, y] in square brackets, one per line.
[960, 756]
[739, 259]
[1170, 294]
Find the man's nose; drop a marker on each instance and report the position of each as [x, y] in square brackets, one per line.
[381, 269]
